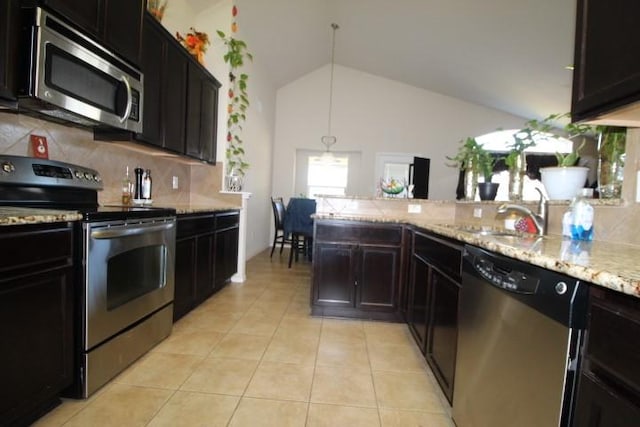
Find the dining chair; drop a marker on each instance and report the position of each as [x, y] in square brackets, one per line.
[279, 235]
[299, 224]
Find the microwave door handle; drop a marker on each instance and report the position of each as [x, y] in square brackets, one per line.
[128, 230]
[127, 109]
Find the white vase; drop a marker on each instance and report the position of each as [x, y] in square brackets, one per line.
[562, 183]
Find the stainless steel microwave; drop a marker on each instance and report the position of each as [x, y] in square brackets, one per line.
[69, 77]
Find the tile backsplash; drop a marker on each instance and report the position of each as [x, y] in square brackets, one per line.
[198, 182]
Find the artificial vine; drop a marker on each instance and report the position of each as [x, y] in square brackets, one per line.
[238, 101]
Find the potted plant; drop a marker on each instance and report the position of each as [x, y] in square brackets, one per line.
[564, 180]
[487, 190]
[467, 159]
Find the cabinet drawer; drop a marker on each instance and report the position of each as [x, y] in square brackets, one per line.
[191, 225]
[614, 337]
[35, 245]
[441, 253]
[350, 232]
[227, 220]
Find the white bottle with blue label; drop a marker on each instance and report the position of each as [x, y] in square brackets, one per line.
[582, 217]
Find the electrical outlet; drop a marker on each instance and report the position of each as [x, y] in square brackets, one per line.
[414, 208]
[477, 212]
[174, 183]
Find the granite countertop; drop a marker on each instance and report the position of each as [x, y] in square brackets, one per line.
[15, 216]
[610, 265]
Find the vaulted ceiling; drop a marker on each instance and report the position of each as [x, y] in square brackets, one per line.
[506, 54]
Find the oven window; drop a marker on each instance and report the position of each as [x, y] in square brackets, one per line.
[135, 273]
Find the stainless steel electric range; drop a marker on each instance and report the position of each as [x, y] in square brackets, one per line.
[124, 264]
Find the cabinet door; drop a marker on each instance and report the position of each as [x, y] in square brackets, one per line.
[442, 332]
[418, 292]
[600, 406]
[202, 99]
[377, 278]
[36, 331]
[334, 275]
[204, 266]
[123, 28]
[154, 45]
[185, 277]
[9, 38]
[174, 97]
[226, 255]
[194, 108]
[607, 68]
[85, 14]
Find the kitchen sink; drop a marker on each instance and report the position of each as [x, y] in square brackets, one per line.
[492, 232]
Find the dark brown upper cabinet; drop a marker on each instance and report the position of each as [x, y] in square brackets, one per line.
[164, 65]
[180, 98]
[606, 79]
[9, 38]
[202, 123]
[117, 24]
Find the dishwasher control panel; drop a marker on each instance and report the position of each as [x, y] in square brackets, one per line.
[512, 280]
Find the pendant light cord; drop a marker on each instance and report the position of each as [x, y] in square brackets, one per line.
[334, 26]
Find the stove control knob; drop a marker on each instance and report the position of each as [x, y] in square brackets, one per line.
[87, 175]
[97, 178]
[78, 174]
[8, 167]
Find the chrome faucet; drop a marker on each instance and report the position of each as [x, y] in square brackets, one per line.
[540, 219]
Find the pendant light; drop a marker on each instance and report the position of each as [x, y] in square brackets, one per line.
[328, 140]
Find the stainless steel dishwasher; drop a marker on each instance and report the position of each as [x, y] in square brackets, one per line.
[520, 331]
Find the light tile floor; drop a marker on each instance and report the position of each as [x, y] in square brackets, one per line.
[252, 355]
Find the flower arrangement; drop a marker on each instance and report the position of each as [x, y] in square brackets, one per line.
[196, 43]
[156, 8]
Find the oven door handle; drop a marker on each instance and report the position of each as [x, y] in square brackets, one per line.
[129, 230]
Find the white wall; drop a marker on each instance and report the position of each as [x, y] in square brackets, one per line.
[373, 114]
[258, 130]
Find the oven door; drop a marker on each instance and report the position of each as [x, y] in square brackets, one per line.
[129, 274]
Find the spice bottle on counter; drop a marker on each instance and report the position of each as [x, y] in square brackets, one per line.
[138, 193]
[146, 185]
[126, 189]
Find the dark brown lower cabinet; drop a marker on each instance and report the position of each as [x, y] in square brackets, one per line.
[356, 270]
[432, 312]
[417, 304]
[185, 282]
[206, 257]
[442, 329]
[609, 385]
[226, 257]
[36, 319]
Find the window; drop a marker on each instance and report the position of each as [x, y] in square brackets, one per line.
[319, 174]
[327, 174]
[500, 141]
[545, 143]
